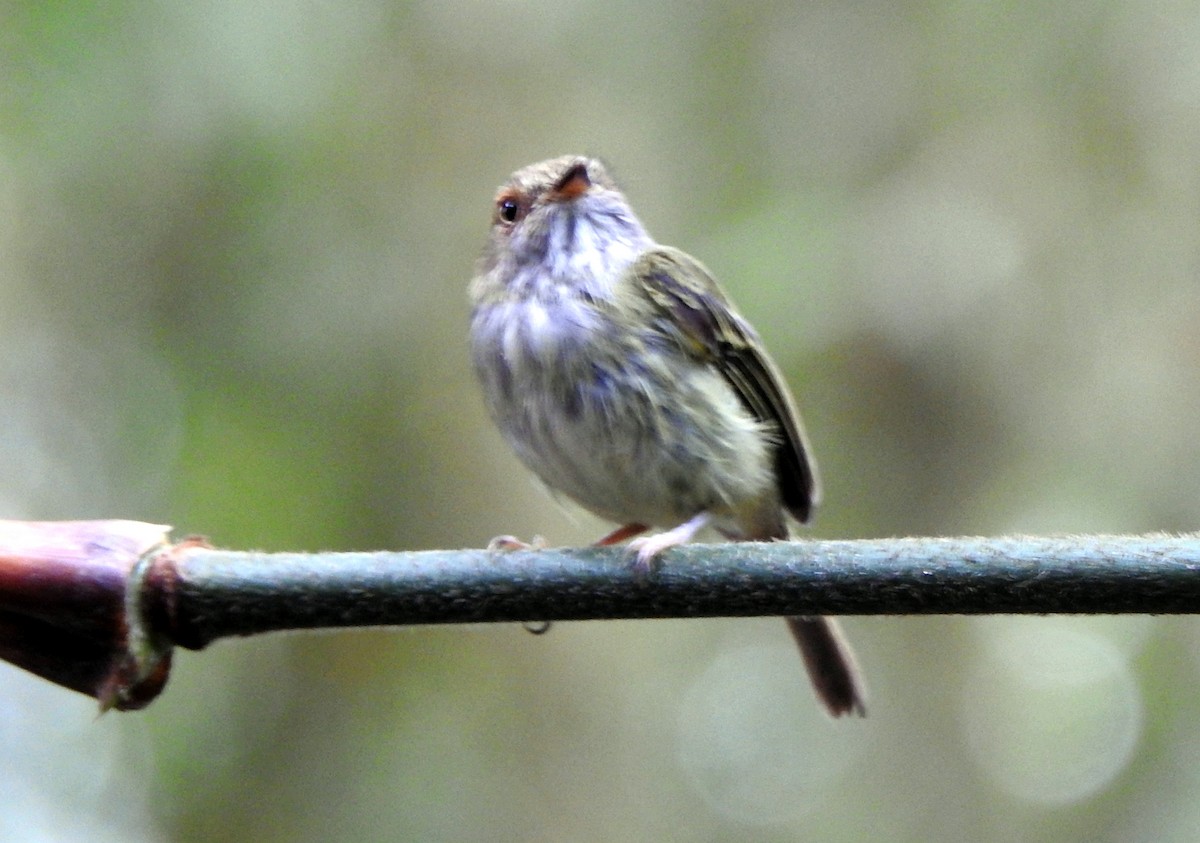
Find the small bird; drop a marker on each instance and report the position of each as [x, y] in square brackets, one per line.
[623, 377]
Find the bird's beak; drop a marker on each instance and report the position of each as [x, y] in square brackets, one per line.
[574, 183]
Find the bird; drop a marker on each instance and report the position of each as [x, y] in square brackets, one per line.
[623, 377]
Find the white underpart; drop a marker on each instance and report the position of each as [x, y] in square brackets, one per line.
[606, 264]
[537, 317]
[512, 337]
[594, 259]
[540, 330]
[545, 328]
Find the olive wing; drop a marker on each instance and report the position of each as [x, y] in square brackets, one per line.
[683, 291]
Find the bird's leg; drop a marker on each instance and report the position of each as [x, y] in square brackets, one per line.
[619, 535]
[648, 547]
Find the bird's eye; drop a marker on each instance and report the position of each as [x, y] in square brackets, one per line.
[508, 209]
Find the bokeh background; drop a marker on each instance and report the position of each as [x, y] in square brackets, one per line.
[234, 244]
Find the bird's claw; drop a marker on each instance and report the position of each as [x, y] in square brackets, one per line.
[507, 544]
[649, 548]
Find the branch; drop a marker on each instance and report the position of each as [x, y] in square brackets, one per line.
[106, 626]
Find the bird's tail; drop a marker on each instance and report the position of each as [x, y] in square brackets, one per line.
[831, 665]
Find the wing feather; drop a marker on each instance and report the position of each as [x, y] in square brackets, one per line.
[684, 291]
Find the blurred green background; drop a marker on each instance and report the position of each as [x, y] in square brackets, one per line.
[234, 248]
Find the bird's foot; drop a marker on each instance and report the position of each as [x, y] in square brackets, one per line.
[511, 543]
[507, 544]
[648, 548]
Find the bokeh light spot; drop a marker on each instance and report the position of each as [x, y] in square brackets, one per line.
[1052, 714]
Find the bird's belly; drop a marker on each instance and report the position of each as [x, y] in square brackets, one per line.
[631, 431]
[615, 458]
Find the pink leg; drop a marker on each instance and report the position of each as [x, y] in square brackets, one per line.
[620, 534]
